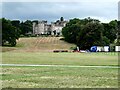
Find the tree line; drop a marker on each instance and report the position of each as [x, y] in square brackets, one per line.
[13, 29]
[91, 32]
[83, 32]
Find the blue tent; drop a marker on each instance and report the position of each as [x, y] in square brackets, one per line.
[93, 49]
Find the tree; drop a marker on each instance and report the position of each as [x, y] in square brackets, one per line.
[118, 34]
[9, 33]
[16, 23]
[84, 33]
[71, 30]
[61, 19]
[26, 27]
[110, 30]
[90, 35]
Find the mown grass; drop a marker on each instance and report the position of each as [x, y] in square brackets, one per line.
[60, 58]
[54, 77]
[39, 51]
[59, 77]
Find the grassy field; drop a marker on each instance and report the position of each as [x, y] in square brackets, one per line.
[49, 77]
[60, 58]
[39, 44]
[39, 51]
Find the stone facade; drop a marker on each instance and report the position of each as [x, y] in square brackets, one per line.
[42, 28]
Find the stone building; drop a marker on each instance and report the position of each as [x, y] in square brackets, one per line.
[43, 28]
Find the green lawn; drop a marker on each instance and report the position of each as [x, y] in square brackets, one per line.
[60, 58]
[59, 77]
[39, 51]
[56, 77]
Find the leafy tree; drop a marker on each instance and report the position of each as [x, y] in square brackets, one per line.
[118, 34]
[105, 41]
[9, 33]
[16, 23]
[26, 27]
[110, 30]
[91, 34]
[84, 33]
[71, 30]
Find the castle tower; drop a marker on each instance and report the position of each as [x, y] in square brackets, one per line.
[34, 28]
[52, 28]
[42, 27]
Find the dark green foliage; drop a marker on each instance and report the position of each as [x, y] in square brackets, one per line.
[105, 41]
[84, 33]
[118, 34]
[26, 27]
[88, 32]
[16, 23]
[110, 30]
[70, 32]
[61, 19]
[11, 30]
[90, 35]
[9, 33]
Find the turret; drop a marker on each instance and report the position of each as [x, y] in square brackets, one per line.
[34, 24]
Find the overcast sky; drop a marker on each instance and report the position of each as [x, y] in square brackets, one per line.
[51, 11]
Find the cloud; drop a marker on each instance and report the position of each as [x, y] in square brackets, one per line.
[54, 10]
[60, 0]
[119, 11]
[0, 10]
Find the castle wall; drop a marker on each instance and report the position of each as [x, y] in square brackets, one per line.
[58, 29]
[40, 28]
[34, 27]
[36, 30]
[43, 28]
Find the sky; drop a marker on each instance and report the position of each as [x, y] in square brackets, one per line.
[105, 11]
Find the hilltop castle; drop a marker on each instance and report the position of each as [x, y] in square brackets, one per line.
[42, 28]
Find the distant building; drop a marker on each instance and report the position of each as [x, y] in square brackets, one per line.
[42, 28]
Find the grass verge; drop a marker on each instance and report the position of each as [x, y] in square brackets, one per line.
[49, 77]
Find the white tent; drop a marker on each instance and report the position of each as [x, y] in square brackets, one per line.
[117, 48]
[106, 48]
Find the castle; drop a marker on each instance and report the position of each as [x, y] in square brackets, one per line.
[43, 28]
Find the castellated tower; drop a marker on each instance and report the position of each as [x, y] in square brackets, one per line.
[39, 27]
[55, 28]
[35, 28]
[52, 28]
